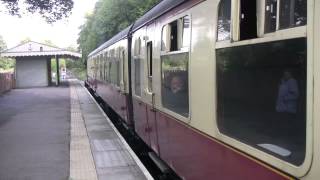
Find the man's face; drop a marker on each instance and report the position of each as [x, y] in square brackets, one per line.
[176, 84]
[287, 75]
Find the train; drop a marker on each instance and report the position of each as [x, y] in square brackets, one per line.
[219, 89]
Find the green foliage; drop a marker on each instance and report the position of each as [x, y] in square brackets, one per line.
[109, 18]
[49, 43]
[25, 40]
[50, 10]
[77, 68]
[62, 64]
[5, 63]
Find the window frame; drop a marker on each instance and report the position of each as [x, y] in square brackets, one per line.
[282, 34]
[182, 50]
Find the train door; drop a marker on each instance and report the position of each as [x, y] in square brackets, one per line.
[139, 99]
[122, 89]
[150, 95]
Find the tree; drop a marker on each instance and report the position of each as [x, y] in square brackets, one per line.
[5, 63]
[50, 10]
[109, 18]
[25, 40]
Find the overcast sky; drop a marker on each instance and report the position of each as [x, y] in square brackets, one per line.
[63, 33]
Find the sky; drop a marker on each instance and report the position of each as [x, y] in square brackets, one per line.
[63, 33]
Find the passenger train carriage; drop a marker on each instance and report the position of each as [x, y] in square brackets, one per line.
[223, 89]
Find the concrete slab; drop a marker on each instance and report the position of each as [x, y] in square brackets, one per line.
[34, 134]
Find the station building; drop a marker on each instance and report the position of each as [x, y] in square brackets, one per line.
[33, 63]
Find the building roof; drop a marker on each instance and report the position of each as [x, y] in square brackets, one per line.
[32, 48]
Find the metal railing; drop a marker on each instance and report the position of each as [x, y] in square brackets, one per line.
[7, 82]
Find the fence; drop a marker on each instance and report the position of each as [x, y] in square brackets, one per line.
[6, 82]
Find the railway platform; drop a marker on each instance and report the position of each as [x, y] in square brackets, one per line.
[61, 133]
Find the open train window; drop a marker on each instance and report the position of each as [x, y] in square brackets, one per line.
[224, 20]
[248, 19]
[176, 35]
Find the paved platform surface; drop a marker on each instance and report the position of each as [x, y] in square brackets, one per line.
[60, 133]
[34, 134]
[114, 160]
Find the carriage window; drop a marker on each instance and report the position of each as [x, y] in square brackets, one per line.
[137, 76]
[224, 21]
[293, 13]
[149, 63]
[176, 35]
[270, 16]
[105, 66]
[262, 96]
[174, 91]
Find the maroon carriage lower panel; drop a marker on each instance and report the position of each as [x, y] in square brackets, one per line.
[195, 156]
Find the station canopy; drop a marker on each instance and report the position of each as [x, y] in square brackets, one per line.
[34, 49]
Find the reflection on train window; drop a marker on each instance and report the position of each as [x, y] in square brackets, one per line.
[109, 71]
[262, 96]
[165, 38]
[101, 66]
[174, 91]
[293, 13]
[224, 20]
[270, 16]
[137, 47]
[186, 31]
[137, 77]
[118, 72]
[176, 35]
[105, 66]
[112, 72]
